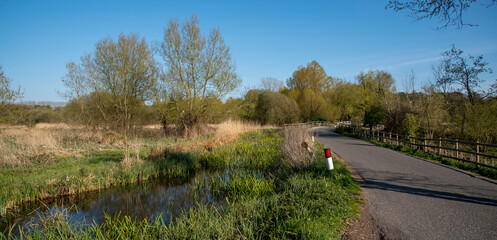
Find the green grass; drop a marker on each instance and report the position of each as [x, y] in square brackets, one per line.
[264, 199]
[483, 171]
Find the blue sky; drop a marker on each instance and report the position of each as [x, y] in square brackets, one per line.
[267, 38]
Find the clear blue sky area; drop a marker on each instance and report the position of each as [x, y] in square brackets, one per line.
[267, 38]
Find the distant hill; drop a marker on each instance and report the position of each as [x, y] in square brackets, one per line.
[43, 103]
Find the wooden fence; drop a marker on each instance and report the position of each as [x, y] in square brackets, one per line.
[310, 124]
[481, 154]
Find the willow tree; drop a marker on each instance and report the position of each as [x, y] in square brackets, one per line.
[311, 77]
[111, 85]
[198, 70]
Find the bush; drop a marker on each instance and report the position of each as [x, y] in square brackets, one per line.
[47, 117]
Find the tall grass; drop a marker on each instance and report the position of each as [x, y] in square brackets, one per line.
[21, 146]
[229, 131]
[297, 148]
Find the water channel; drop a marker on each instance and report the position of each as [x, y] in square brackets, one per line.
[141, 201]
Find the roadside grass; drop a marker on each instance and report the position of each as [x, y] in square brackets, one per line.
[265, 199]
[483, 171]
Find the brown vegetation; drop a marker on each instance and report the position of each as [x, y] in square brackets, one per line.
[298, 147]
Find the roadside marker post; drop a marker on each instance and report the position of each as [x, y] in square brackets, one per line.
[312, 135]
[329, 160]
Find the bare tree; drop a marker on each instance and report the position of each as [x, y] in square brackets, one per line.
[409, 82]
[449, 12]
[272, 84]
[197, 70]
[7, 94]
[455, 69]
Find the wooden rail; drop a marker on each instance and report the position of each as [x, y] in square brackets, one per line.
[481, 154]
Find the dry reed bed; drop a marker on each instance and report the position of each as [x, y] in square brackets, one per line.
[297, 147]
[21, 146]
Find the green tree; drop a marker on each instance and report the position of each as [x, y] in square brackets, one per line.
[311, 77]
[312, 106]
[460, 73]
[482, 121]
[410, 125]
[378, 86]
[432, 112]
[196, 70]
[248, 109]
[375, 115]
[348, 100]
[378, 95]
[276, 108]
[111, 85]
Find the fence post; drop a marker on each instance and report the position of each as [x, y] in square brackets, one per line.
[426, 145]
[478, 152]
[439, 146]
[397, 140]
[384, 140]
[457, 148]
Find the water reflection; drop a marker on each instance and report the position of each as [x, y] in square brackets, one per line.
[141, 201]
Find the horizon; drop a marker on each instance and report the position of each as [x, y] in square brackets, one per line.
[265, 39]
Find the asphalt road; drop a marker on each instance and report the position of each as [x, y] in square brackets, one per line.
[412, 198]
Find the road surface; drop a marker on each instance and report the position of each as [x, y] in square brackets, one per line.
[412, 198]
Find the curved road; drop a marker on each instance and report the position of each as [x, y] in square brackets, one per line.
[412, 198]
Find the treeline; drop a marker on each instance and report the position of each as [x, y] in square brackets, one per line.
[122, 84]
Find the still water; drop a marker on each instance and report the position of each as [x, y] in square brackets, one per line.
[139, 201]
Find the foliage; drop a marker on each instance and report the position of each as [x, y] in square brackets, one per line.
[111, 85]
[374, 116]
[347, 101]
[306, 87]
[268, 107]
[21, 114]
[410, 125]
[311, 77]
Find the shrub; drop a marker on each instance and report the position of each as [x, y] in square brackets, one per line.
[297, 147]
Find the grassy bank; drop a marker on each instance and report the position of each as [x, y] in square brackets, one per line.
[56, 160]
[265, 198]
[483, 171]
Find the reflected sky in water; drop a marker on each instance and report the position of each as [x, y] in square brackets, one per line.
[140, 201]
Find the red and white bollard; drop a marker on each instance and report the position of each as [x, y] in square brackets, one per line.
[329, 161]
[312, 136]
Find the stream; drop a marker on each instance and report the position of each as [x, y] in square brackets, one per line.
[147, 200]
